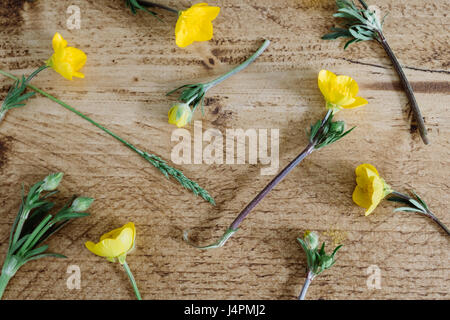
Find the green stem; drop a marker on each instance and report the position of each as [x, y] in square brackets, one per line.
[4, 279]
[239, 68]
[133, 281]
[157, 162]
[23, 218]
[2, 114]
[305, 287]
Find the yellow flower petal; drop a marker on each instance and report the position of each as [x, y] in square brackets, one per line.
[115, 243]
[58, 42]
[67, 61]
[361, 169]
[370, 189]
[339, 91]
[195, 24]
[359, 102]
[326, 80]
[361, 198]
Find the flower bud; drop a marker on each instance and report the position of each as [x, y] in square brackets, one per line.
[81, 204]
[180, 114]
[337, 127]
[312, 240]
[327, 261]
[51, 182]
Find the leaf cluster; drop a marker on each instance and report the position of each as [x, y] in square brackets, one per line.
[359, 23]
[326, 132]
[194, 94]
[16, 96]
[415, 204]
[317, 259]
[34, 224]
[135, 6]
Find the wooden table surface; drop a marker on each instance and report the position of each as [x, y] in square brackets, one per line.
[133, 61]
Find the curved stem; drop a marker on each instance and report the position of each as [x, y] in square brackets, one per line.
[239, 68]
[305, 287]
[157, 5]
[157, 162]
[234, 226]
[133, 281]
[245, 212]
[439, 222]
[406, 86]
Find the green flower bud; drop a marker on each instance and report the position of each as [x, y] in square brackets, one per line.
[337, 127]
[51, 182]
[327, 262]
[81, 204]
[311, 239]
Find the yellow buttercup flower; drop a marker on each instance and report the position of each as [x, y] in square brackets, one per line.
[115, 244]
[67, 61]
[370, 189]
[340, 92]
[180, 114]
[195, 24]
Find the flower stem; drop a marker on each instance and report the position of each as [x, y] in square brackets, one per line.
[234, 226]
[157, 162]
[133, 281]
[406, 86]
[157, 5]
[305, 287]
[428, 214]
[239, 68]
[244, 213]
[4, 279]
[2, 114]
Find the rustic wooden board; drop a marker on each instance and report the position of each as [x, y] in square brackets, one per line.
[133, 61]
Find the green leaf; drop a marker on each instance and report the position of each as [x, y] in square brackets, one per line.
[417, 205]
[70, 215]
[18, 244]
[420, 200]
[36, 251]
[398, 199]
[408, 209]
[335, 250]
[44, 255]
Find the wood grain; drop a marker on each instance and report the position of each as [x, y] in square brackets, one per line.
[133, 61]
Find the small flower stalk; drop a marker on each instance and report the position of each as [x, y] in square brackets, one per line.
[34, 224]
[115, 245]
[193, 95]
[371, 189]
[340, 92]
[361, 23]
[68, 61]
[317, 260]
[193, 24]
